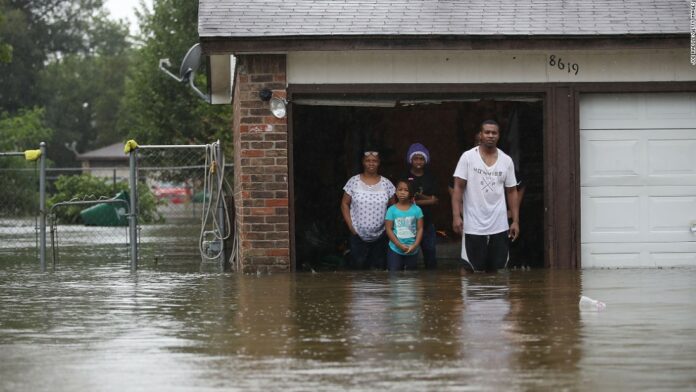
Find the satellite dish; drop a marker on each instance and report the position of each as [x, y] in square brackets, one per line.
[187, 71]
[191, 62]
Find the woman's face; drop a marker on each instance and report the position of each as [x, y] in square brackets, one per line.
[370, 164]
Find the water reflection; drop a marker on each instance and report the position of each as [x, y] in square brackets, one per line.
[647, 334]
[483, 321]
[440, 330]
[92, 325]
[545, 328]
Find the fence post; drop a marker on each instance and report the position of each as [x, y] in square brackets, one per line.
[133, 213]
[221, 204]
[42, 206]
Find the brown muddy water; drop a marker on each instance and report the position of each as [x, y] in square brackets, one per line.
[90, 325]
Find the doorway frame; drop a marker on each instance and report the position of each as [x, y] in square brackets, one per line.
[561, 144]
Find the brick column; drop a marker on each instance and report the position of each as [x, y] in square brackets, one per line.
[261, 165]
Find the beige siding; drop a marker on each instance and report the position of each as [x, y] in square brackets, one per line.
[488, 66]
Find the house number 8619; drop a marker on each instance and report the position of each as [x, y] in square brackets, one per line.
[573, 68]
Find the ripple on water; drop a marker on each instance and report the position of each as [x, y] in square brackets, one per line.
[92, 324]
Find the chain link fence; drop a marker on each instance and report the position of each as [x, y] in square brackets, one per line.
[177, 221]
[179, 214]
[19, 206]
[87, 213]
[103, 233]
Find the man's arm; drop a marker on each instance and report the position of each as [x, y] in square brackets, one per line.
[457, 194]
[425, 200]
[514, 205]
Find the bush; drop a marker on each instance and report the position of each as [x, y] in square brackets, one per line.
[87, 187]
[19, 189]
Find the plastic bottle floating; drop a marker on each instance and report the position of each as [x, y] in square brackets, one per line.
[587, 303]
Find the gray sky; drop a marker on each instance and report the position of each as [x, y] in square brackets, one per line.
[124, 9]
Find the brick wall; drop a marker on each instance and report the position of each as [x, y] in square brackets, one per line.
[261, 165]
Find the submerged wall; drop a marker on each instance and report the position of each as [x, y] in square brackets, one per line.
[261, 166]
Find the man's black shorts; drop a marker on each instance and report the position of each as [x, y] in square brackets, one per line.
[486, 252]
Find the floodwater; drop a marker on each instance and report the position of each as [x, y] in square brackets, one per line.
[90, 325]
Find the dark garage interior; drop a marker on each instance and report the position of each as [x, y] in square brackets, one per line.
[328, 137]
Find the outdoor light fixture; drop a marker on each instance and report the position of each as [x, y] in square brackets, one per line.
[266, 94]
[278, 107]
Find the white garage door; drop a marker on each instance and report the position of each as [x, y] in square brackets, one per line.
[638, 180]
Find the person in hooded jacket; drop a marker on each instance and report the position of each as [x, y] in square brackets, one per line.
[425, 185]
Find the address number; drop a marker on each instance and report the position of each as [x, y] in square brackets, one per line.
[571, 68]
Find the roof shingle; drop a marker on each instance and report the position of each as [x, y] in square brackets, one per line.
[276, 18]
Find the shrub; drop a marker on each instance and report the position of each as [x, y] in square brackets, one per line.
[87, 187]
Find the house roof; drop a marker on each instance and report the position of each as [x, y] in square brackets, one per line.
[472, 18]
[112, 152]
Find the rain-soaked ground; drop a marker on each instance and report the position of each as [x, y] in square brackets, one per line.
[91, 325]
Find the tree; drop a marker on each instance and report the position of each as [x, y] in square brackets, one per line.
[156, 109]
[23, 131]
[82, 93]
[38, 31]
[70, 59]
[5, 49]
[63, 82]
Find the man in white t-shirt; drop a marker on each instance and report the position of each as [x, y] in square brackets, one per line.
[483, 176]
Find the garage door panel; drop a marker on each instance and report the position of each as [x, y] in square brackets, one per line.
[638, 157]
[639, 255]
[626, 111]
[638, 179]
[598, 259]
[637, 214]
[613, 162]
[610, 111]
[673, 158]
[670, 112]
[674, 259]
[671, 215]
[611, 217]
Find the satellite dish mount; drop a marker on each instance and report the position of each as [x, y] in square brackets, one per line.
[187, 71]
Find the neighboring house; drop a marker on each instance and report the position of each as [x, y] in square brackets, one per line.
[108, 162]
[598, 97]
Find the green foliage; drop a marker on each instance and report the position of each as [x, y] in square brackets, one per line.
[40, 31]
[23, 131]
[81, 96]
[19, 193]
[70, 59]
[156, 109]
[82, 92]
[92, 188]
[5, 49]
[19, 178]
[95, 89]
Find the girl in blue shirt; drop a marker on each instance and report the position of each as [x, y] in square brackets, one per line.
[404, 227]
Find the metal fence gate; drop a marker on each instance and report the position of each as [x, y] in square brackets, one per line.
[22, 204]
[182, 214]
[167, 205]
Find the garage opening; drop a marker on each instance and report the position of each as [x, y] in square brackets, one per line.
[328, 137]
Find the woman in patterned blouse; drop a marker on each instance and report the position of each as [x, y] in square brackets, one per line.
[365, 200]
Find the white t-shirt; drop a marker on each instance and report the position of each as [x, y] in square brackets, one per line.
[368, 206]
[484, 206]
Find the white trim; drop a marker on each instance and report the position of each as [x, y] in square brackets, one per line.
[488, 66]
